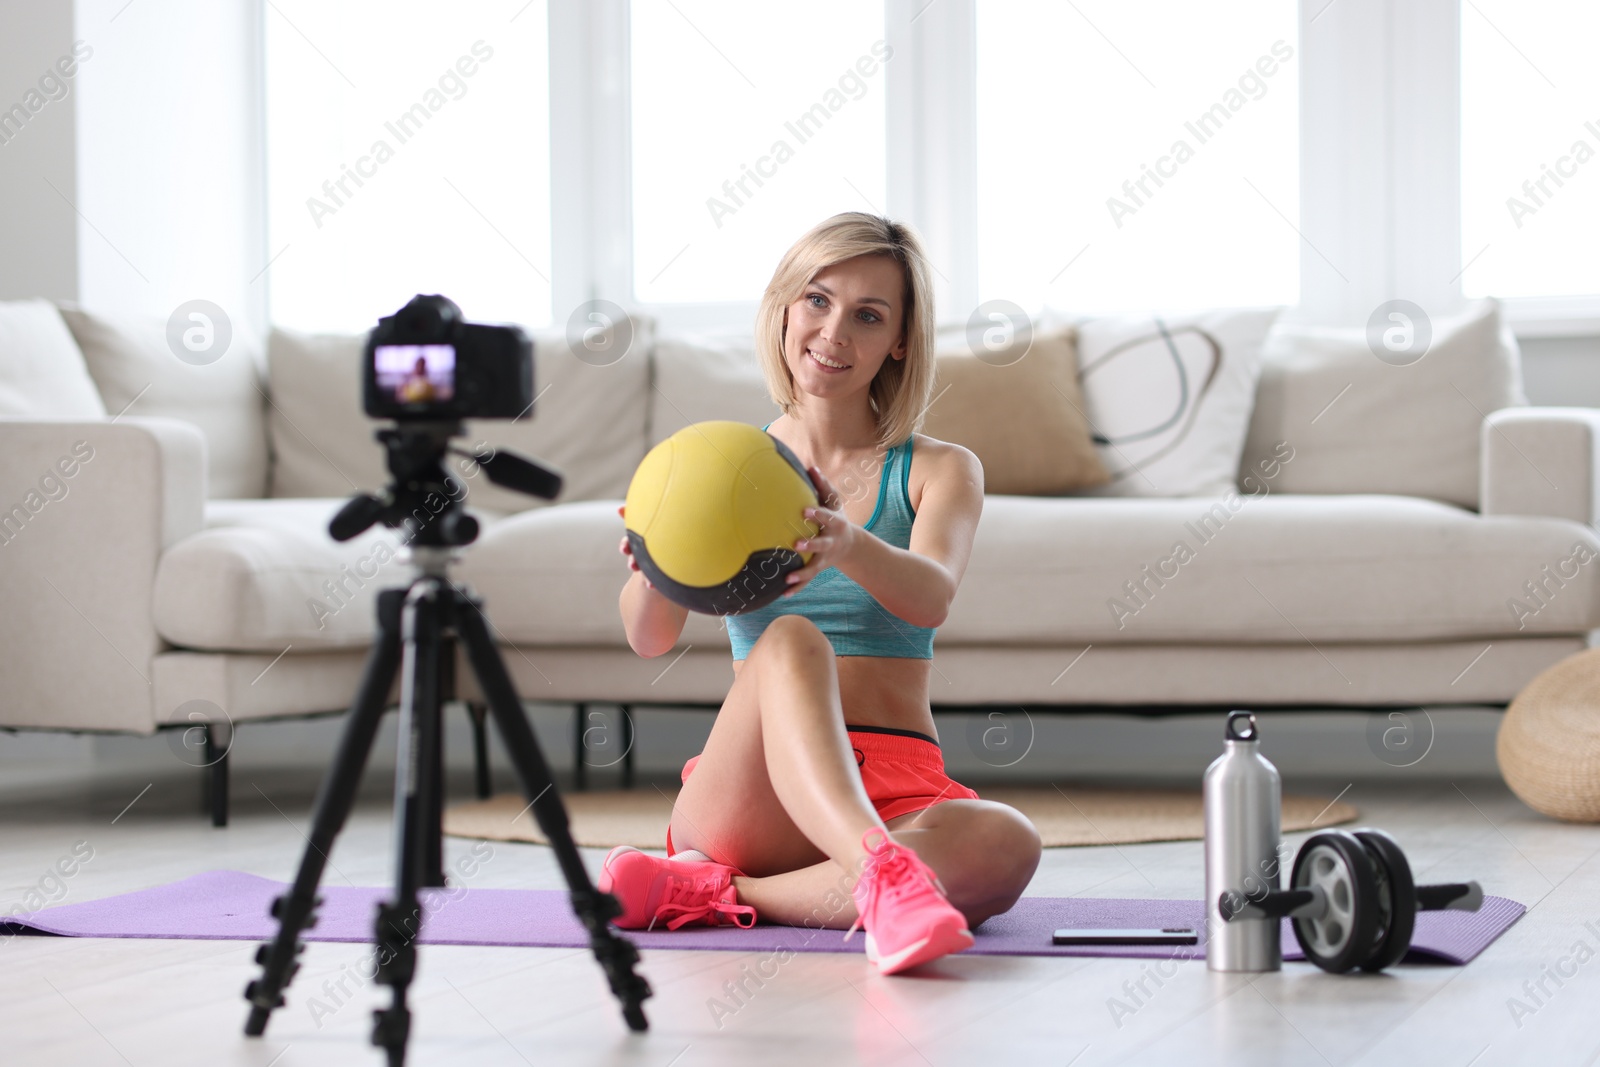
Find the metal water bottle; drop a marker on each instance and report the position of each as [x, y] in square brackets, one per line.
[1242, 803]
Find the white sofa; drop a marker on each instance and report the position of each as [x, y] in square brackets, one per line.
[186, 565]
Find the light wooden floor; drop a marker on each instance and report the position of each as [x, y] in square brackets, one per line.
[89, 1002]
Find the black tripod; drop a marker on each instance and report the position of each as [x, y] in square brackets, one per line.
[415, 628]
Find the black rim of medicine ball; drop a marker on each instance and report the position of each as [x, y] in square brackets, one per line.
[778, 561]
[792, 459]
[1398, 890]
[733, 597]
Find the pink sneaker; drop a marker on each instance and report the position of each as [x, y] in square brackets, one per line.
[902, 906]
[677, 892]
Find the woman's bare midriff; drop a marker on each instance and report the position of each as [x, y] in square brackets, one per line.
[883, 691]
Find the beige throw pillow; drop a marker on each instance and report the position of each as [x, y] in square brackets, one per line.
[1021, 412]
[705, 377]
[42, 372]
[137, 371]
[588, 424]
[1360, 424]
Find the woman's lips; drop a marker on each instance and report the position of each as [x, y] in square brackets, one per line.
[830, 369]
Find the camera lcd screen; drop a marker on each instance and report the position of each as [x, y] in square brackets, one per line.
[416, 374]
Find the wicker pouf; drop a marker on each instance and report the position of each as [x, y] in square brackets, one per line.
[1549, 742]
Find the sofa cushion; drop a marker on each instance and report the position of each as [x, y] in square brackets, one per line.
[42, 373]
[1020, 410]
[1169, 397]
[135, 370]
[1268, 568]
[264, 575]
[552, 577]
[1361, 424]
[588, 423]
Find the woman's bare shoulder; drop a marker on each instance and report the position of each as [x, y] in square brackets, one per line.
[935, 461]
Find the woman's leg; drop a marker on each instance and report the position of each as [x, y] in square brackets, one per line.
[983, 852]
[777, 788]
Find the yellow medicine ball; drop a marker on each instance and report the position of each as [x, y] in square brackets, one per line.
[713, 513]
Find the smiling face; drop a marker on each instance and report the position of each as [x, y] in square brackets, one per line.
[847, 322]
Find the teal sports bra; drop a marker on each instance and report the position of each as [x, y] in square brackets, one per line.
[849, 616]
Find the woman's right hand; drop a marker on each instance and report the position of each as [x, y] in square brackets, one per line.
[653, 623]
[627, 551]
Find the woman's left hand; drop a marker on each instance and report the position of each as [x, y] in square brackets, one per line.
[833, 543]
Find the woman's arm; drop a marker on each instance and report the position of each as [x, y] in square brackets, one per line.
[653, 623]
[916, 584]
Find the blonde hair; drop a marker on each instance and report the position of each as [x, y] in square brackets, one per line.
[901, 389]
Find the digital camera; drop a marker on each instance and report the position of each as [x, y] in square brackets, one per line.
[426, 363]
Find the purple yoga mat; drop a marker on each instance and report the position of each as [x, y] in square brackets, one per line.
[232, 905]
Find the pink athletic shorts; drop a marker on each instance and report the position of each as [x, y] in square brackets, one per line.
[902, 771]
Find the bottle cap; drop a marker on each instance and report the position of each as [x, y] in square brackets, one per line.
[1242, 726]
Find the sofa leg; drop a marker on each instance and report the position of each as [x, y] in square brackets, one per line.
[580, 769]
[217, 773]
[479, 714]
[627, 745]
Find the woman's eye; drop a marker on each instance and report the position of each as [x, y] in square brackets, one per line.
[870, 316]
[816, 300]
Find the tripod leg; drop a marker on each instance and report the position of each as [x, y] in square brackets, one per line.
[216, 756]
[415, 802]
[628, 737]
[479, 715]
[580, 767]
[296, 911]
[432, 697]
[616, 955]
[433, 819]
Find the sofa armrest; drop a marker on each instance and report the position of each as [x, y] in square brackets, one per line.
[86, 511]
[1541, 461]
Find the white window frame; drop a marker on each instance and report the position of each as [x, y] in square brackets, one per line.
[931, 165]
[1380, 159]
[1380, 167]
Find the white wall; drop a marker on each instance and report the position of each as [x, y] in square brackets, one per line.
[38, 228]
[169, 167]
[141, 188]
[1562, 370]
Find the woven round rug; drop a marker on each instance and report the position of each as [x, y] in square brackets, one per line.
[1548, 747]
[1065, 816]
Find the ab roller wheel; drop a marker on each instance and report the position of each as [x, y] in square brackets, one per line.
[1341, 934]
[1352, 900]
[1397, 900]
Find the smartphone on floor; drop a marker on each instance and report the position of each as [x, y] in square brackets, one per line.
[1172, 935]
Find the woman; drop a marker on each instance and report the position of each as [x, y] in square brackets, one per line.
[820, 798]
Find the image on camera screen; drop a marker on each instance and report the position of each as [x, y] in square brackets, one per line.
[416, 374]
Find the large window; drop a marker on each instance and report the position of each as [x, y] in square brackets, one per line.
[750, 124]
[1530, 147]
[407, 152]
[1133, 156]
[1091, 157]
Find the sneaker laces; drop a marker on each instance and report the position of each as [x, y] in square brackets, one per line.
[687, 900]
[892, 874]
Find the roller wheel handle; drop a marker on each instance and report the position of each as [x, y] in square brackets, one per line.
[1273, 904]
[1450, 897]
[1403, 898]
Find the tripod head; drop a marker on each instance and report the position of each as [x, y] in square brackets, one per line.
[423, 498]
